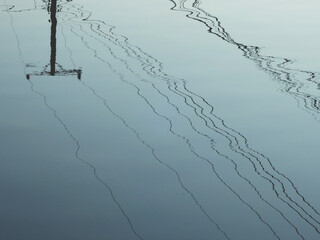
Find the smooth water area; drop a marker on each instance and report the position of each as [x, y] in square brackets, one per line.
[156, 119]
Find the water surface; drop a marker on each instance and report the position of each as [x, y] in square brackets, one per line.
[159, 120]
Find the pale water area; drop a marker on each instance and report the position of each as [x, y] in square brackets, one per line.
[159, 120]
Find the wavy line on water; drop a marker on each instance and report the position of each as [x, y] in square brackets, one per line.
[94, 170]
[66, 46]
[256, 170]
[191, 149]
[253, 53]
[160, 161]
[285, 201]
[246, 47]
[152, 149]
[273, 186]
[250, 52]
[121, 77]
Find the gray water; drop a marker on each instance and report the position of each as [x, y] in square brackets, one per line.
[159, 119]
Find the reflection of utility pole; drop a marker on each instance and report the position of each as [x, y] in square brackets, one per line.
[53, 42]
[55, 68]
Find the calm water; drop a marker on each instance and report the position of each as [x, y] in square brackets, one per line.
[159, 119]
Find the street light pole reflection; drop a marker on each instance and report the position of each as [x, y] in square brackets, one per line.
[53, 68]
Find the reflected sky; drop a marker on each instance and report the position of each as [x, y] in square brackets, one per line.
[181, 126]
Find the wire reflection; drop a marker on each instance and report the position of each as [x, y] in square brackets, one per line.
[148, 63]
[75, 15]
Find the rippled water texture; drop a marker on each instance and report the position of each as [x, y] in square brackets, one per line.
[159, 120]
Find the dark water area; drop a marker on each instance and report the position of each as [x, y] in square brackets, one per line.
[156, 119]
